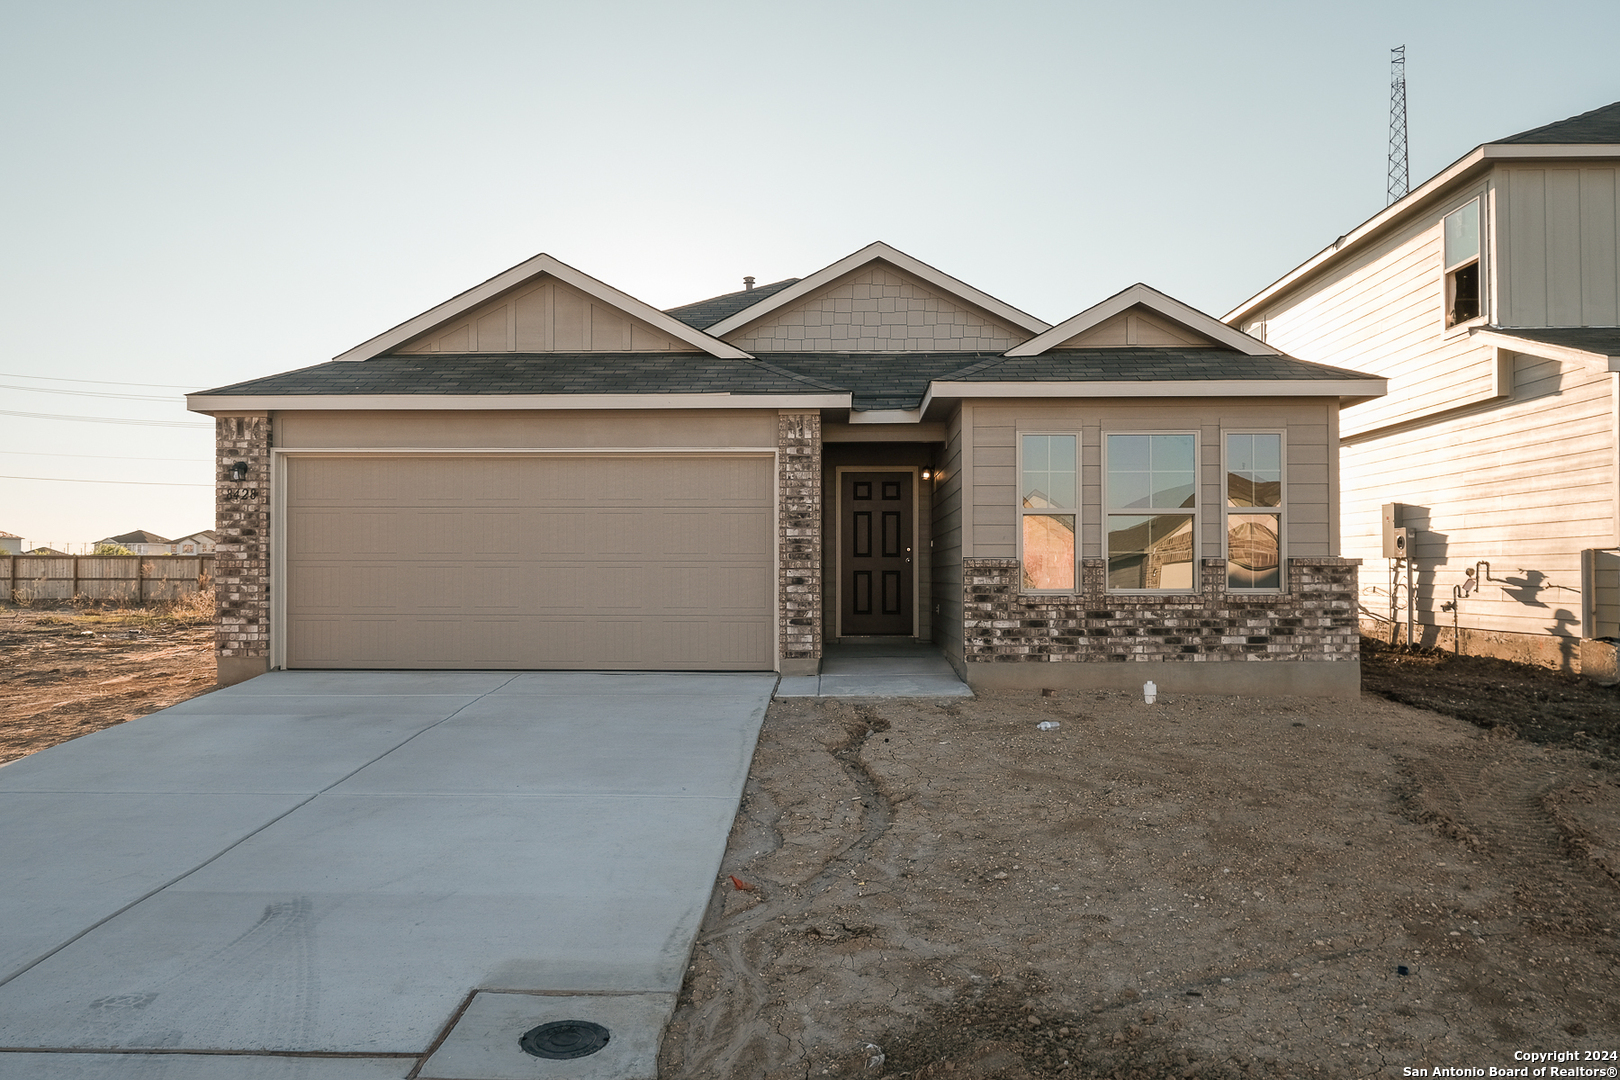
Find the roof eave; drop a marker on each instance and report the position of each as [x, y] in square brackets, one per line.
[259, 403]
[1509, 340]
[1344, 389]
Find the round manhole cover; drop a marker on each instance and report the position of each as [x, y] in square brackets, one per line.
[564, 1039]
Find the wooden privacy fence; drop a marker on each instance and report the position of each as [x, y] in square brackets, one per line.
[104, 577]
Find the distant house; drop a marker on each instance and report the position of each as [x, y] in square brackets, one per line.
[141, 542]
[42, 550]
[197, 543]
[10, 544]
[1489, 297]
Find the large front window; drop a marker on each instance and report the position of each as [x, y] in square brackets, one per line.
[1254, 510]
[1048, 496]
[1152, 509]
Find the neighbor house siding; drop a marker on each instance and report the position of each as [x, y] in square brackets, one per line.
[1524, 484]
[1559, 241]
[1383, 313]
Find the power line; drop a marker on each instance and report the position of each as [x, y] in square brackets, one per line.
[99, 382]
[90, 393]
[106, 420]
[72, 480]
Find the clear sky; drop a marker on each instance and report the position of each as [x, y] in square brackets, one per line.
[197, 193]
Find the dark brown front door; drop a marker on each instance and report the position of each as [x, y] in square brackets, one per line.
[875, 557]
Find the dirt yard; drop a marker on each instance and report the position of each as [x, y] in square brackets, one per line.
[1203, 887]
[68, 672]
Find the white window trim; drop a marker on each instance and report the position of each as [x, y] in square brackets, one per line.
[1281, 512]
[1196, 514]
[1023, 512]
[1478, 197]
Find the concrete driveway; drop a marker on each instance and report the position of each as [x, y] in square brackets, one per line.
[331, 875]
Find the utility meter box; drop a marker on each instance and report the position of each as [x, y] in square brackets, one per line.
[1395, 535]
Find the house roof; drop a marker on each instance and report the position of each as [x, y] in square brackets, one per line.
[511, 374]
[200, 534]
[8, 536]
[139, 536]
[703, 314]
[1595, 345]
[1600, 125]
[1153, 364]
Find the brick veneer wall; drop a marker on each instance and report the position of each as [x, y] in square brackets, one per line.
[242, 556]
[798, 441]
[1313, 619]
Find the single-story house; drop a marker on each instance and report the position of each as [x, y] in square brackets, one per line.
[547, 473]
[10, 544]
[201, 542]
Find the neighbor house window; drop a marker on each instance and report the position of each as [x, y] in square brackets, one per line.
[1152, 506]
[1462, 265]
[1254, 510]
[1048, 495]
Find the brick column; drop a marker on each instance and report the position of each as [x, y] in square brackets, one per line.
[798, 514]
[242, 557]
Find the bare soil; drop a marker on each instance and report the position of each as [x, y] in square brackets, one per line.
[1203, 887]
[65, 672]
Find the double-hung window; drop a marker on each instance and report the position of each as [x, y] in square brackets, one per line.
[1048, 489]
[1463, 296]
[1254, 510]
[1151, 496]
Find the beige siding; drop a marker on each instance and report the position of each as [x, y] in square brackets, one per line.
[877, 309]
[1560, 246]
[1523, 484]
[1136, 327]
[545, 316]
[1310, 455]
[553, 561]
[1383, 314]
[534, 429]
[947, 552]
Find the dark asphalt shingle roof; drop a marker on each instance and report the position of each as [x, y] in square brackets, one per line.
[702, 314]
[1604, 340]
[536, 373]
[1598, 126]
[1149, 365]
[874, 380]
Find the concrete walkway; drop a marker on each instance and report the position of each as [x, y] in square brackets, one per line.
[319, 875]
[878, 667]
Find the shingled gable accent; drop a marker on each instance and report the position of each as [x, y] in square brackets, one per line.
[879, 252]
[524, 273]
[1154, 301]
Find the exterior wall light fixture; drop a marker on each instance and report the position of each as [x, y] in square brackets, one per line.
[239, 471]
[928, 474]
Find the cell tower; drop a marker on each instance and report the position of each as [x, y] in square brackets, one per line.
[1400, 181]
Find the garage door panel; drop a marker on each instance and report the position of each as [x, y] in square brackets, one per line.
[617, 562]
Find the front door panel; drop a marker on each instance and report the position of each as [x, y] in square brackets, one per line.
[875, 537]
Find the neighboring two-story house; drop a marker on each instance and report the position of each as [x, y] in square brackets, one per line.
[1489, 297]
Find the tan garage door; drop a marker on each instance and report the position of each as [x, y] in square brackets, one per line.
[621, 561]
